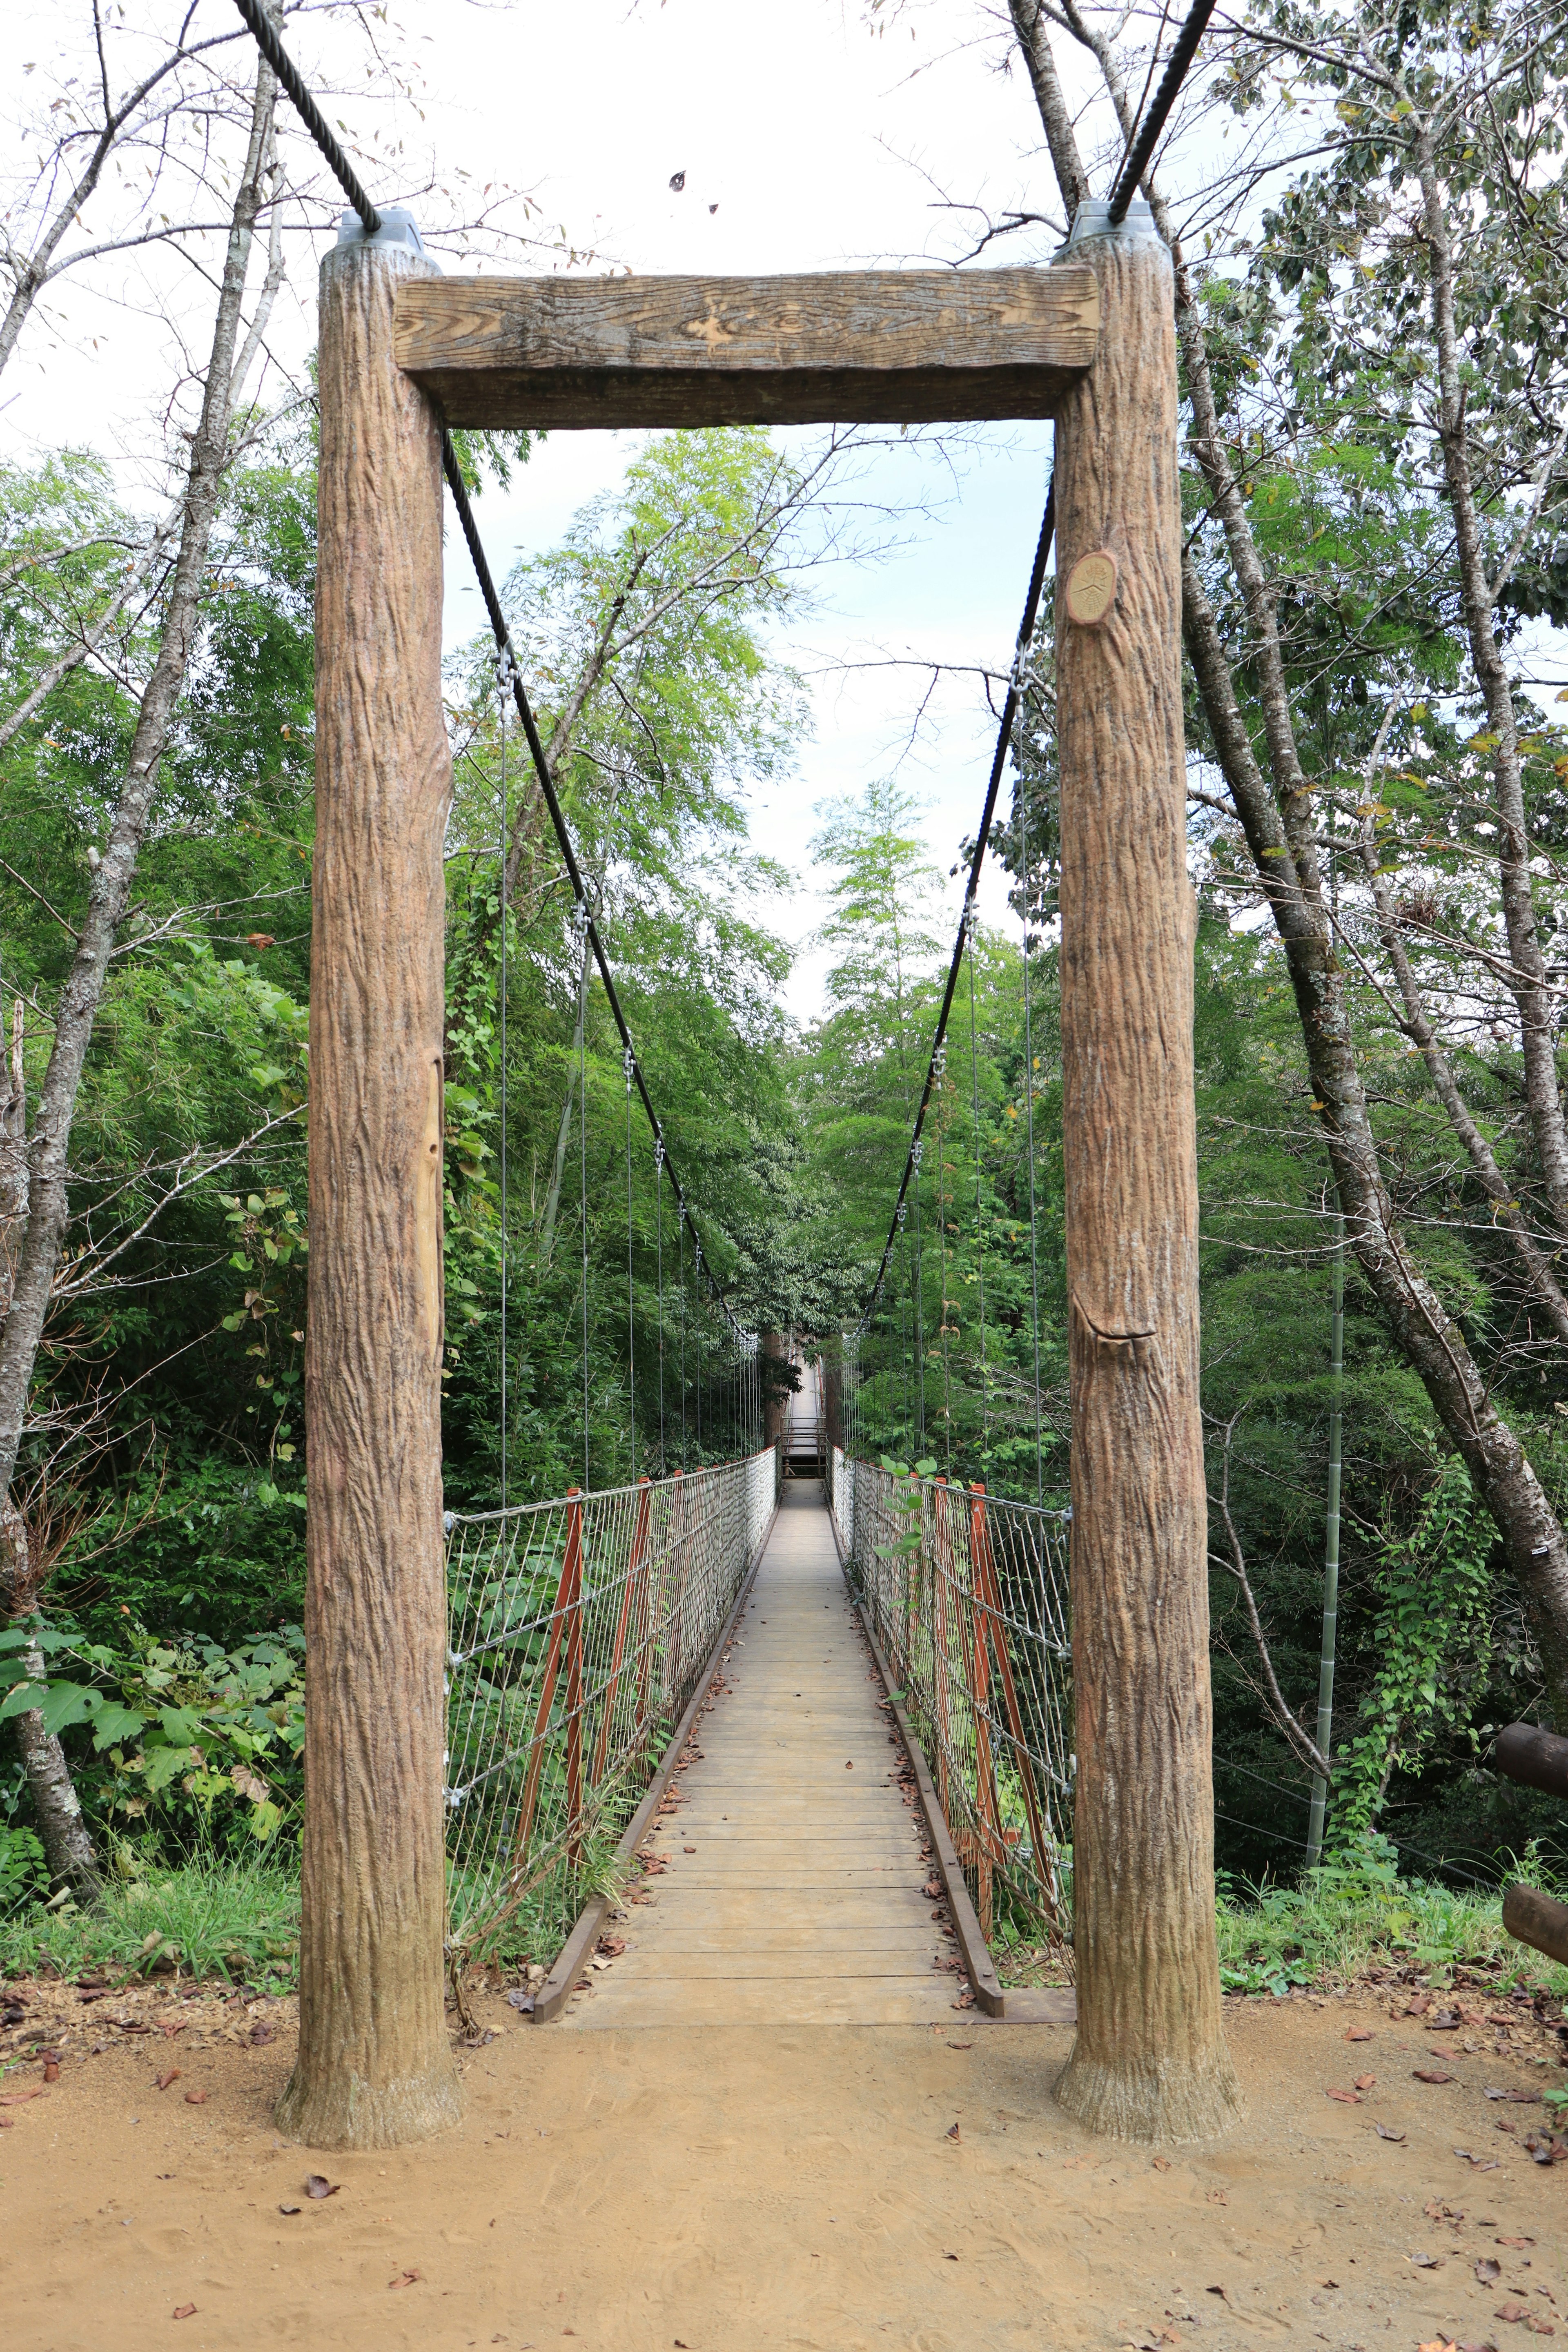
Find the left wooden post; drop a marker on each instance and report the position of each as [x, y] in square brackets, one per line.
[375, 2067]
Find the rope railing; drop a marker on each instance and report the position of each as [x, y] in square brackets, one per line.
[968, 1599]
[578, 1629]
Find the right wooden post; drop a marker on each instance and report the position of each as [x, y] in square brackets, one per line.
[1150, 2061]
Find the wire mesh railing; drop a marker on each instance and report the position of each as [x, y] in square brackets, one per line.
[579, 1629]
[968, 1597]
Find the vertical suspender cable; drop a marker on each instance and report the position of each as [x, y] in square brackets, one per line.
[973, 913]
[680, 1235]
[920, 1318]
[659, 1203]
[502, 664]
[1029, 1141]
[630, 1065]
[582, 1142]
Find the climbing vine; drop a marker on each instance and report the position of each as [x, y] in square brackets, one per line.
[1432, 1639]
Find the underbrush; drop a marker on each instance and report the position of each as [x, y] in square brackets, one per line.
[1359, 1918]
[207, 1917]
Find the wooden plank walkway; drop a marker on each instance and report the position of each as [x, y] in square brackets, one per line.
[791, 1890]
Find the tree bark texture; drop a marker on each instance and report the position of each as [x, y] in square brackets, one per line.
[1150, 2061]
[48, 1205]
[375, 2067]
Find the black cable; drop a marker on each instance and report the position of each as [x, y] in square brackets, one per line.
[309, 113]
[1003, 741]
[557, 818]
[288, 73]
[1171, 81]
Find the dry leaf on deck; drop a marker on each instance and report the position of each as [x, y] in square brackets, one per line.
[318, 2185]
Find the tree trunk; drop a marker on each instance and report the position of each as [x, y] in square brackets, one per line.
[1150, 2061]
[48, 1204]
[375, 2067]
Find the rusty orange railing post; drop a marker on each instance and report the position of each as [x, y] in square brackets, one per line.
[987, 1806]
[572, 1579]
[988, 1590]
[942, 1579]
[633, 1570]
[570, 1569]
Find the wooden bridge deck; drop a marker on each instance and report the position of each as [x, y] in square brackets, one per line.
[792, 1891]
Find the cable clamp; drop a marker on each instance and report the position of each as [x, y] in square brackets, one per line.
[939, 1061]
[902, 1213]
[629, 1064]
[658, 1155]
[505, 666]
[917, 1153]
[971, 917]
[580, 921]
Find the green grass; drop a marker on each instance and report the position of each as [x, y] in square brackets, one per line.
[239, 1920]
[1341, 1925]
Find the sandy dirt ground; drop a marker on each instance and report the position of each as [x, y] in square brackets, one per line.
[737, 2189]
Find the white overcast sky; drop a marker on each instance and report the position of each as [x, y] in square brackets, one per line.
[807, 143]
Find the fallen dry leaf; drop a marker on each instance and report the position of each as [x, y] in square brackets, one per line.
[1439, 2344]
[184, 2311]
[290, 2209]
[1162, 2163]
[1511, 2311]
[1361, 2034]
[1516, 2242]
[961, 2045]
[51, 2070]
[952, 2132]
[171, 2074]
[1346, 2098]
[1426, 2261]
[1430, 2074]
[19, 2098]
[1383, 2132]
[1519, 2099]
[1487, 2270]
[318, 2185]
[196, 2098]
[260, 2035]
[412, 2278]
[1217, 2197]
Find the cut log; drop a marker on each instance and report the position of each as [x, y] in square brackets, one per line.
[1538, 1920]
[1539, 1758]
[907, 346]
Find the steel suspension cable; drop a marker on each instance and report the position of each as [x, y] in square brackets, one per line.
[309, 113]
[315, 122]
[1148, 135]
[999, 760]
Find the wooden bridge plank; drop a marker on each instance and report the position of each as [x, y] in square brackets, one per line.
[905, 346]
[805, 1903]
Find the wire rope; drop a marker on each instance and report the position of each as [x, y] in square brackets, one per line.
[310, 114]
[1174, 75]
[977, 859]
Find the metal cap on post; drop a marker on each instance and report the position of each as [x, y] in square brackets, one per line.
[399, 227]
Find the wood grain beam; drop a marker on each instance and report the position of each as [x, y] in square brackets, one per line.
[906, 346]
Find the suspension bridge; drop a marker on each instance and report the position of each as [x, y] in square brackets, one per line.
[805, 1734]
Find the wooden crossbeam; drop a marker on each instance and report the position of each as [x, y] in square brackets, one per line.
[907, 346]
